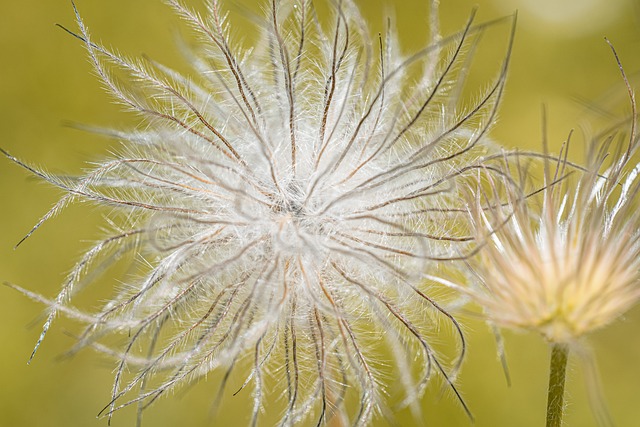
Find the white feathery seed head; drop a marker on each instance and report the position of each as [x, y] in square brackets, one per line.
[565, 260]
[283, 205]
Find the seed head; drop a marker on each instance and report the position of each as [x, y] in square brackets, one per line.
[281, 205]
[566, 260]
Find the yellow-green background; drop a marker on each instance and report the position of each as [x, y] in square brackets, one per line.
[45, 80]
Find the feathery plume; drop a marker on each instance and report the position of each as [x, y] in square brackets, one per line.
[281, 206]
[563, 260]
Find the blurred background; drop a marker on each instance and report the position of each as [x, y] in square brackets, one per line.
[560, 59]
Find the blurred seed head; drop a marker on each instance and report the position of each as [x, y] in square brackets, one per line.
[565, 260]
[280, 208]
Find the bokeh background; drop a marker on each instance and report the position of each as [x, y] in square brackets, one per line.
[560, 59]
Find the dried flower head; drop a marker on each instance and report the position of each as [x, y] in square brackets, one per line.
[280, 207]
[566, 260]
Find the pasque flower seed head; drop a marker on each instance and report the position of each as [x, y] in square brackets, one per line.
[283, 203]
[564, 261]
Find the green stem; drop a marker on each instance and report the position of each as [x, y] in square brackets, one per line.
[557, 376]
